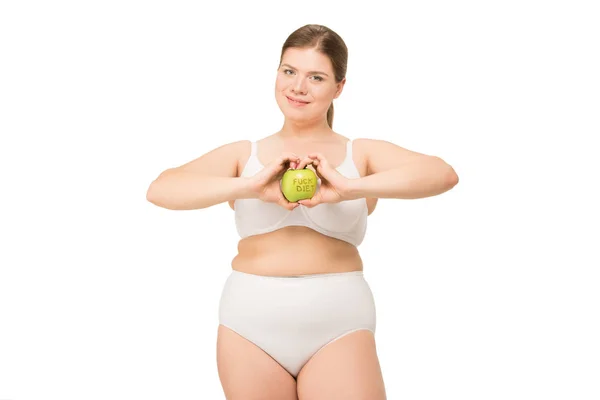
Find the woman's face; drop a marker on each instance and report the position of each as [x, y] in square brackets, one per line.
[306, 75]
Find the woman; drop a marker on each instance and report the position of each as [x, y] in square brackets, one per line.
[297, 317]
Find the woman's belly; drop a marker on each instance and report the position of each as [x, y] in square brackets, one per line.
[295, 250]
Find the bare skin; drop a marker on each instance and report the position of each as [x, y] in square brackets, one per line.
[349, 367]
[352, 359]
[265, 254]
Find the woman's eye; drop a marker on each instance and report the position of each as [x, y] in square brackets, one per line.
[319, 78]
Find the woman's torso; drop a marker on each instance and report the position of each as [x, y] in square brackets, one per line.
[299, 250]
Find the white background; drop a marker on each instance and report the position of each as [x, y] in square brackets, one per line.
[488, 291]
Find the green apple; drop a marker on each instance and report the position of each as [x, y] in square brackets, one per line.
[298, 184]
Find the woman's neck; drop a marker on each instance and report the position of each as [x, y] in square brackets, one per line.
[305, 131]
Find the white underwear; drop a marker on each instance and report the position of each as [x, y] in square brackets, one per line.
[292, 318]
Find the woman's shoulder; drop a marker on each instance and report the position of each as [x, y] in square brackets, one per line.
[361, 146]
[370, 145]
[356, 140]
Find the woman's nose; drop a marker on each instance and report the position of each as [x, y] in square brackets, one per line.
[298, 86]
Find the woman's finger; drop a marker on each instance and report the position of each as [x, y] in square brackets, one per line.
[286, 204]
[319, 165]
[294, 162]
[304, 162]
[310, 203]
[319, 160]
[318, 156]
[284, 160]
[287, 157]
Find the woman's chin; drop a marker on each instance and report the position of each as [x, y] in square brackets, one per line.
[295, 118]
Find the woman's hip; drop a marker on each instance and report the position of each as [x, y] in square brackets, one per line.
[307, 301]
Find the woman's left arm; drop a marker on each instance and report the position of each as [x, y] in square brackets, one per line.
[398, 173]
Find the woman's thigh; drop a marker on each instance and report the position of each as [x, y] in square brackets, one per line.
[347, 368]
[248, 373]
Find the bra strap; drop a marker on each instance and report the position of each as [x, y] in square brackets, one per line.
[349, 151]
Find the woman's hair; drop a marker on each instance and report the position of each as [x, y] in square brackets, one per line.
[325, 41]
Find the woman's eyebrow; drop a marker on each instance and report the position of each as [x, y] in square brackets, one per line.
[310, 72]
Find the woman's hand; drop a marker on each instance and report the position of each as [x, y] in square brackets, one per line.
[334, 185]
[266, 184]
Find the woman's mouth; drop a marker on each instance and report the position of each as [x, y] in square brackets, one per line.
[296, 103]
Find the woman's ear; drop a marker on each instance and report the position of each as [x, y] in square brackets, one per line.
[340, 87]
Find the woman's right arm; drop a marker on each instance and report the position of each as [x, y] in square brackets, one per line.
[208, 180]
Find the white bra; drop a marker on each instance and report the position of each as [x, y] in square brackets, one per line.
[346, 220]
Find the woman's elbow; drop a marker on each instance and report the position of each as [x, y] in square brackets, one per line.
[451, 177]
[153, 193]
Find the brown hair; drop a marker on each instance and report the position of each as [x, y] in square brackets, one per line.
[325, 41]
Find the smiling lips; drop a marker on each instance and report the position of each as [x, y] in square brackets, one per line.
[296, 102]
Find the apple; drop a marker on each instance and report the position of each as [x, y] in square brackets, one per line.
[298, 184]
